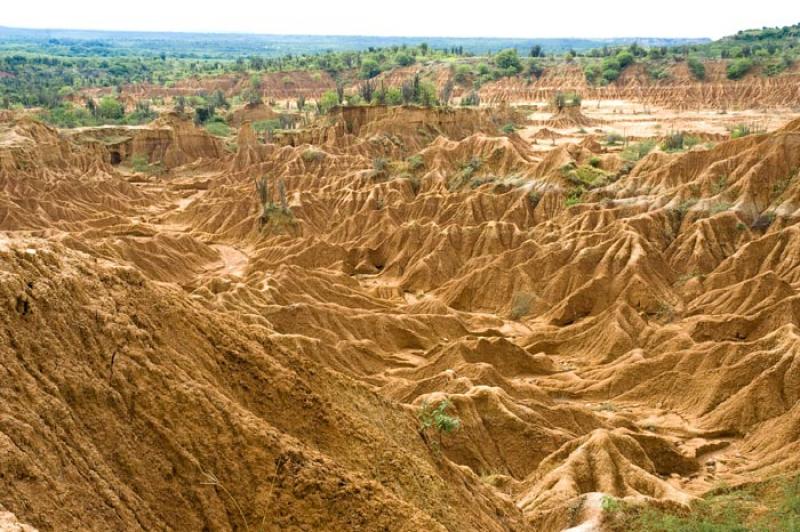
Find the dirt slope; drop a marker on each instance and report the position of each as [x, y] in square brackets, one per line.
[170, 362]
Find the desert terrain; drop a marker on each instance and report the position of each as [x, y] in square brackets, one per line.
[517, 315]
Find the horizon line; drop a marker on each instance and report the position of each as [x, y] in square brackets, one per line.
[249, 33]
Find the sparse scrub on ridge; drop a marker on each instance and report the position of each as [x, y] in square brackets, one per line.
[380, 168]
[508, 129]
[534, 197]
[468, 169]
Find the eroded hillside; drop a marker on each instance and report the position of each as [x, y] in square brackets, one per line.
[177, 356]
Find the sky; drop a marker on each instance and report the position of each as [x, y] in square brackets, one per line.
[463, 18]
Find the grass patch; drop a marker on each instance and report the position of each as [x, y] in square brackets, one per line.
[637, 151]
[218, 129]
[768, 506]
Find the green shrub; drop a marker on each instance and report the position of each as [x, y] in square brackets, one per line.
[139, 163]
[635, 152]
[738, 68]
[218, 128]
[697, 68]
[110, 108]
[508, 60]
[436, 419]
[266, 125]
[744, 130]
[678, 140]
[313, 156]
[415, 162]
[612, 139]
[625, 59]
[521, 304]
[329, 100]
[574, 197]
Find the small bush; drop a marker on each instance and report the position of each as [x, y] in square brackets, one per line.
[139, 163]
[635, 152]
[743, 130]
[415, 162]
[574, 197]
[436, 419]
[508, 129]
[678, 140]
[739, 68]
[218, 129]
[521, 305]
[697, 68]
[313, 156]
[612, 139]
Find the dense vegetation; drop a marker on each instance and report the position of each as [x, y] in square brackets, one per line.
[48, 69]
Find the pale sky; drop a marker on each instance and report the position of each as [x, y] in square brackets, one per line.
[494, 18]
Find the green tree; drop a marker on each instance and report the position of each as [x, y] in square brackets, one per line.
[110, 109]
[369, 68]
[738, 68]
[509, 61]
[328, 101]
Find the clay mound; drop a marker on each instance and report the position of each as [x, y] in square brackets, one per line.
[569, 117]
[610, 462]
[251, 113]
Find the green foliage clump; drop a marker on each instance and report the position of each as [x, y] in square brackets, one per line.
[678, 141]
[269, 126]
[743, 130]
[613, 139]
[508, 128]
[139, 163]
[508, 62]
[772, 505]
[435, 418]
[635, 152]
[697, 68]
[110, 108]
[415, 162]
[738, 68]
[218, 127]
[521, 304]
[562, 100]
[312, 156]
[328, 101]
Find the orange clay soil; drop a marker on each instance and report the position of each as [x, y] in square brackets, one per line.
[167, 362]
